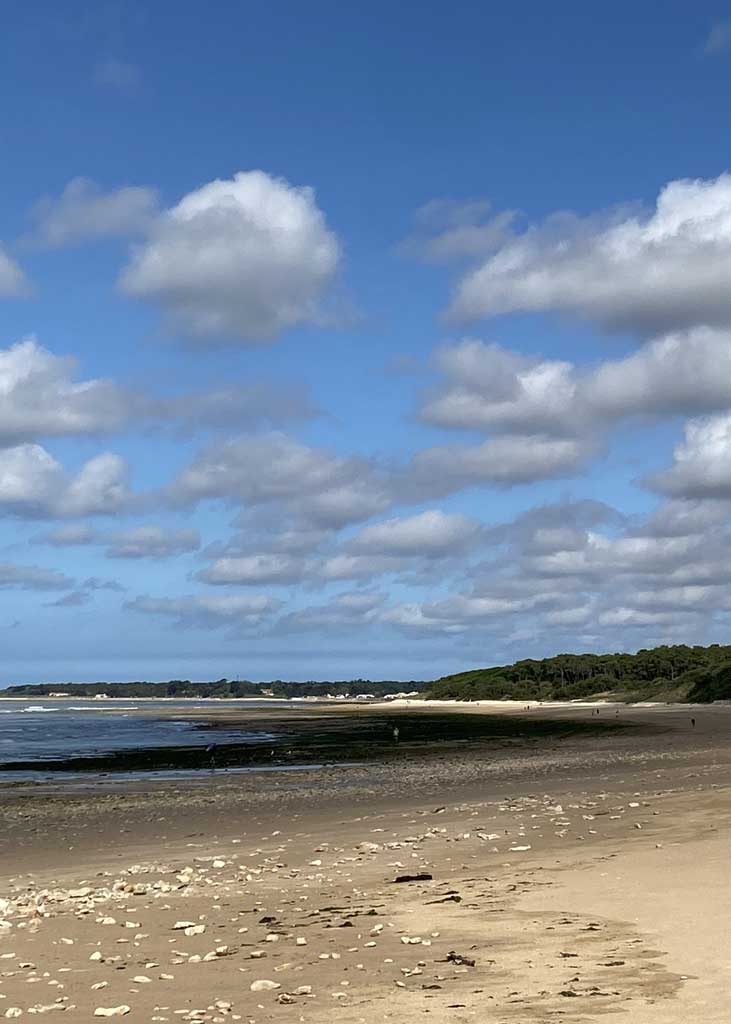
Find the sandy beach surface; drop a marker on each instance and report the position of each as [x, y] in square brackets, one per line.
[562, 878]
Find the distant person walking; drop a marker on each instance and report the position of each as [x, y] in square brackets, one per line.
[211, 751]
[396, 733]
[692, 722]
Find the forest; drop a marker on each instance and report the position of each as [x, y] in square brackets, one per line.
[677, 672]
[220, 688]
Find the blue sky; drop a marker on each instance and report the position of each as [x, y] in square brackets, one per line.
[361, 341]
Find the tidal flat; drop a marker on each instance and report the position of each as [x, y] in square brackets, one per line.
[554, 867]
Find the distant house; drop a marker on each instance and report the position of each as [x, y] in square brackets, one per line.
[101, 696]
[59, 693]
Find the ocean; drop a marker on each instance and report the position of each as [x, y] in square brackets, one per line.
[39, 738]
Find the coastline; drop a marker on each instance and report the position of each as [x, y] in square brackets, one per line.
[549, 863]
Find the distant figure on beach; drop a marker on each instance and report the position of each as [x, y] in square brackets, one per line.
[396, 733]
[211, 751]
[692, 722]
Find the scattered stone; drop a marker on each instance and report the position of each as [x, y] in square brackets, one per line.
[264, 985]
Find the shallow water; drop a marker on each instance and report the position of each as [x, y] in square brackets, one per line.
[35, 731]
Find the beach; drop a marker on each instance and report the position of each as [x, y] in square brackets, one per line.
[552, 876]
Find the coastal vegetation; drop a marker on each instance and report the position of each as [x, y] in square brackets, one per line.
[678, 672]
[220, 688]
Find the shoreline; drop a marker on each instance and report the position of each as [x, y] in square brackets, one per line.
[571, 872]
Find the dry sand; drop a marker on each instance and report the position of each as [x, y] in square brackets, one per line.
[566, 885]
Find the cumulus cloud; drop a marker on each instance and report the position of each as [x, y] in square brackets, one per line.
[34, 485]
[151, 542]
[84, 211]
[360, 567]
[243, 259]
[208, 611]
[241, 405]
[40, 397]
[325, 490]
[69, 535]
[488, 388]
[430, 534]
[32, 577]
[412, 617]
[352, 610]
[13, 281]
[500, 462]
[701, 465]
[570, 576]
[681, 518]
[685, 373]
[254, 570]
[647, 272]
[101, 487]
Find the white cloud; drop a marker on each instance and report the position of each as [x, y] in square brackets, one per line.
[84, 211]
[239, 405]
[681, 518]
[34, 485]
[31, 577]
[413, 617]
[38, 397]
[359, 567]
[151, 542]
[248, 570]
[13, 281]
[646, 272]
[209, 611]
[99, 488]
[69, 535]
[351, 610]
[599, 554]
[685, 373]
[489, 388]
[560, 587]
[634, 617]
[701, 465]
[431, 534]
[319, 488]
[500, 462]
[242, 259]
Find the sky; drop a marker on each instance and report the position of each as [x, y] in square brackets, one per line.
[361, 340]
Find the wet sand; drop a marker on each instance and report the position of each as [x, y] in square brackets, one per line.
[572, 877]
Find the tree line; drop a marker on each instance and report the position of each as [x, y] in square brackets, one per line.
[676, 672]
[221, 688]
